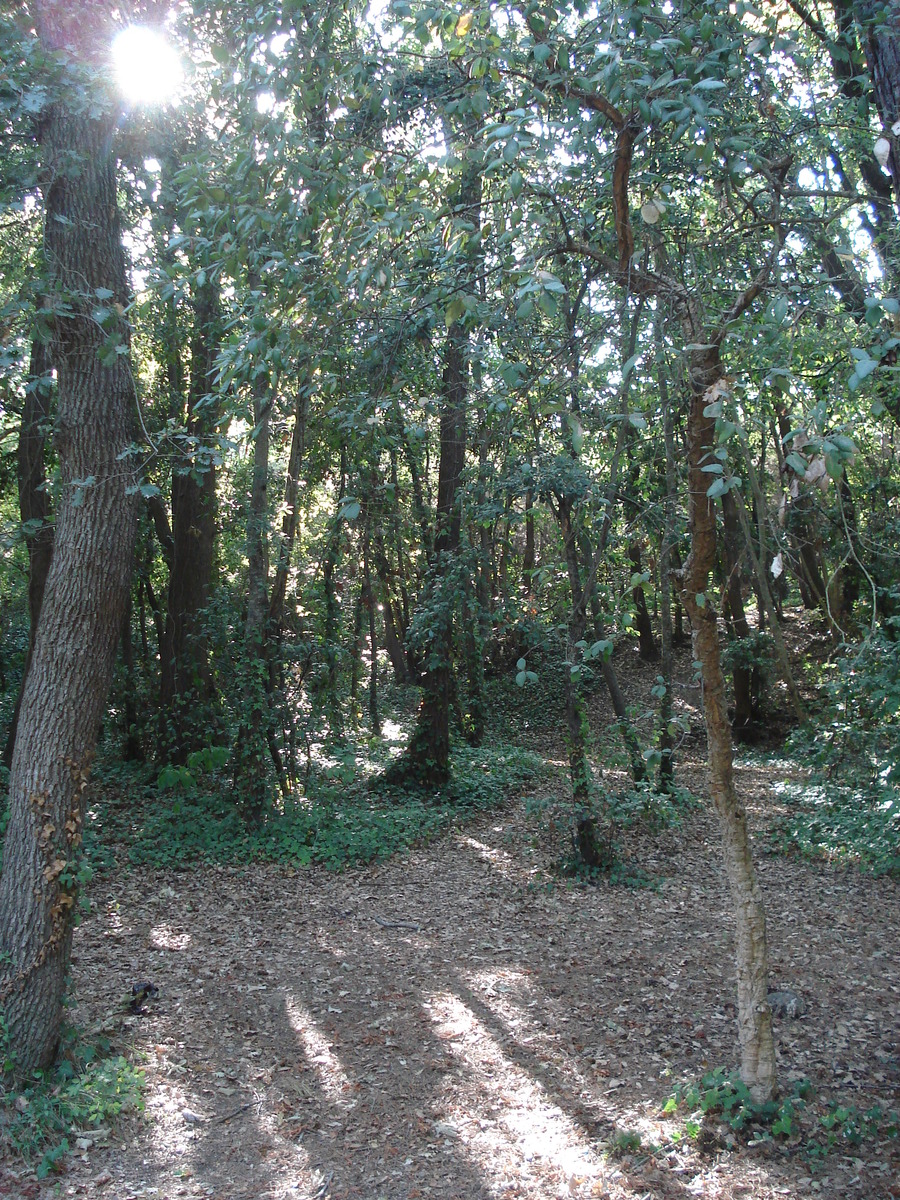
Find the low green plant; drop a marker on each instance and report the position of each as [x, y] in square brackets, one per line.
[624, 1142]
[341, 821]
[86, 1091]
[724, 1094]
[846, 1126]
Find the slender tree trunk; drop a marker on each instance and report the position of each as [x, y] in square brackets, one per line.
[133, 749]
[369, 604]
[291, 510]
[742, 674]
[528, 558]
[754, 1015]
[666, 773]
[186, 682]
[87, 585]
[250, 758]
[647, 648]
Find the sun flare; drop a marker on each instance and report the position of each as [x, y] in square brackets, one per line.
[148, 69]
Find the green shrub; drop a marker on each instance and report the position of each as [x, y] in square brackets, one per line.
[342, 821]
[85, 1092]
[848, 810]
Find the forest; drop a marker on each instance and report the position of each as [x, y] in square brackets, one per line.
[450, 598]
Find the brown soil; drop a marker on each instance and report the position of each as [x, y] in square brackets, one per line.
[455, 1025]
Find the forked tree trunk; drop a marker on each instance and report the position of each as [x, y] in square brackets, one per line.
[87, 586]
[754, 1015]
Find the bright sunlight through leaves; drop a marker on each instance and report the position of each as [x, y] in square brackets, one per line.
[148, 69]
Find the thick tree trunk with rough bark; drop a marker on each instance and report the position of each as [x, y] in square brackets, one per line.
[87, 586]
[427, 758]
[754, 1016]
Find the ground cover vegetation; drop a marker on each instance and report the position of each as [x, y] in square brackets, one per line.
[416, 408]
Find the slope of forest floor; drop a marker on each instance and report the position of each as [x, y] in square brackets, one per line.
[460, 1023]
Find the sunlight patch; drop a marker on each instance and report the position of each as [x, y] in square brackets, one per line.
[169, 937]
[333, 1078]
[504, 1119]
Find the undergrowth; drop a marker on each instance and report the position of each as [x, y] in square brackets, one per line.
[341, 821]
[68, 1107]
[835, 1127]
[846, 807]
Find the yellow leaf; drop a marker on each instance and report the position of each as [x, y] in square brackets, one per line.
[464, 24]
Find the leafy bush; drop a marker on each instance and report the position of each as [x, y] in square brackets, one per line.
[849, 811]
[339, 823]
[85, 1092]
[726, 1095]
[723, 1094]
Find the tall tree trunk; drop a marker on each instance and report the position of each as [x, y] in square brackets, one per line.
[427, 758]
[647, 648]
[87, 586]
[742, 673]
[881, 23]
[34, 504]
[666, 773]
[133, 750]
[254, 736]
[528, 558]
[369, 605]
[186, 682]
[291, 511]
[754, 1015]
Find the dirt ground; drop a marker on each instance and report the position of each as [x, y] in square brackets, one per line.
[454, 1025]
[445, 1026]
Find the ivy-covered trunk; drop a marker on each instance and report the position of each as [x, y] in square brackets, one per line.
[186, 682]
[87, 585]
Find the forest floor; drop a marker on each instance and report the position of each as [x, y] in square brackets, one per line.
[459, 1022]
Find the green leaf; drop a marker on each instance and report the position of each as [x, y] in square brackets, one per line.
[797, 463]
[454, 310]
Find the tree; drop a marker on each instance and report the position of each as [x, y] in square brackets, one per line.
[87, 585]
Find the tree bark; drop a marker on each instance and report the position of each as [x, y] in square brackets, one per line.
[34, 503]
[250, 773]
[186, 684]
[754, 1015]
[87, 585]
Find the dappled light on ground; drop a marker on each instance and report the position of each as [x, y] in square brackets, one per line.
[332, 1077]
[167, 937]
[503, 1117]
[437, 1027]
